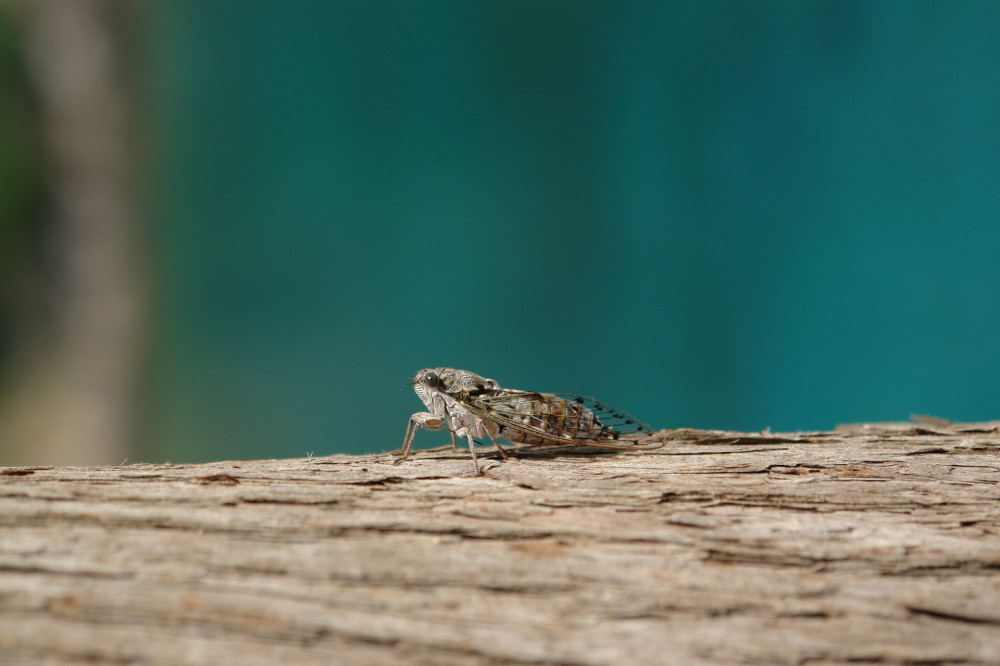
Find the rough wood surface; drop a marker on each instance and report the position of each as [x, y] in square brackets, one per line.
[873, 544]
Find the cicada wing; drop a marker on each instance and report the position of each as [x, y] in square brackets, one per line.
[610, 416]
[635, 434]
[507, 408]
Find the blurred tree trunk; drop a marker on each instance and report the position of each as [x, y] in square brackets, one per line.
[71, 394]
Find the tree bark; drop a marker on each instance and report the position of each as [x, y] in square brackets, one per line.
[870, 544]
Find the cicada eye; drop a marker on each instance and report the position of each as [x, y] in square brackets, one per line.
[430, 379]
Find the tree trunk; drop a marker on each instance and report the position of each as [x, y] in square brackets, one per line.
[73, 390]
[870, 544]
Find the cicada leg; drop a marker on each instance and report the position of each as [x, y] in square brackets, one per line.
[481, 430]
[425, 420]
[464, 432]
[482, 427]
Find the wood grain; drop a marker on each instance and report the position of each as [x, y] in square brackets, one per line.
[873, 544]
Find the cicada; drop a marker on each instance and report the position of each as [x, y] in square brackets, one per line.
[470, 406]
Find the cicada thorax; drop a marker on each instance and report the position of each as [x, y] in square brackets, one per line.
[546, 413]
[460, 382]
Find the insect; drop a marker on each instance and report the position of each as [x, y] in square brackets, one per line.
[471, 406]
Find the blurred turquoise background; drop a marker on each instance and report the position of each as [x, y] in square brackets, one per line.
[712, 214]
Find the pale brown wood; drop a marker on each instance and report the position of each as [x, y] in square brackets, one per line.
[871, 544]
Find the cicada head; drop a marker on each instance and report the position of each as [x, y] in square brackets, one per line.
[431, 382]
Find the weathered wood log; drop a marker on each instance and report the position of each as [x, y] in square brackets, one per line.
[870, 544]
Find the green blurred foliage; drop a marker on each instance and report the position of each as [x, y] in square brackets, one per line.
[20, 173]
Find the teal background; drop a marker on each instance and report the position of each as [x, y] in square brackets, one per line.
[711, 214]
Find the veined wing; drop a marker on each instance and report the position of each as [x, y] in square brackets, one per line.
[557, 418]
[610, 416]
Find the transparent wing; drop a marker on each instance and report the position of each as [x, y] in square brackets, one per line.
[610, 416]
[507, 407]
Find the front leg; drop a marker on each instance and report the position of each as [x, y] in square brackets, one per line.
[425, 420]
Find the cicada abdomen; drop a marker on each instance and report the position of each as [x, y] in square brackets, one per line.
[544, 417]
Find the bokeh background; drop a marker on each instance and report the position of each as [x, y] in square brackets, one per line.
[236, 229]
